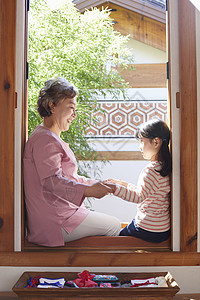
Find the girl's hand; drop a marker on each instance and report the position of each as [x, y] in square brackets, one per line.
[98, 190]
[111, 185]
[116, 181]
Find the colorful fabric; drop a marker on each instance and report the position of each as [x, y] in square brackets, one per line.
[85, 279]
[149, 282]
[33, 282]
[105, 278]
[51, 283]
[105, 285]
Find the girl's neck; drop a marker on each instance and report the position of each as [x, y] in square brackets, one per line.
[154, 157]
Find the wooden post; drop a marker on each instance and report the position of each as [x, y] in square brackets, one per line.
[7, 101]
[188, 125]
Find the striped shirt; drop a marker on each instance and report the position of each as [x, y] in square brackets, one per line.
[151, 195]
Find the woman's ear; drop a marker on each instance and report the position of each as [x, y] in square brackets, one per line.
[51, 106]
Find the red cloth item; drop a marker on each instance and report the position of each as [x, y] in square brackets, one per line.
[143, 282]
[33, 282]
[85, 280]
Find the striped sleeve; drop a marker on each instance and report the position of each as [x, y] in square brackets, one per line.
[147, 185]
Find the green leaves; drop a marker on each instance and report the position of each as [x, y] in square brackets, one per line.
[84, 49]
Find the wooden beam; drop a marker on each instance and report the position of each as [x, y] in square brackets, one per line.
[7, 101]
[8, 296]
[78, 258]
[147, 9]
[13, 296]
[140, 28]
[105, 243]
[146, 76]
[118, 155]
[188, 125]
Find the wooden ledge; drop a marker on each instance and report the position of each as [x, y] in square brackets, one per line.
[104, 243]
[13, 296]
[8, 296]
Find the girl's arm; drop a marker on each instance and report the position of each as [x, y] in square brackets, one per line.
[117, 181]
[147, 184]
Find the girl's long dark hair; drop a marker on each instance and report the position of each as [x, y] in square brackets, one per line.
[157, 128]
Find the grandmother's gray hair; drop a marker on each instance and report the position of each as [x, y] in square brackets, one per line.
[54, 91]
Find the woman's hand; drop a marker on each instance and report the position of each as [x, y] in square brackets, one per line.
[99, 190]
[116, 181]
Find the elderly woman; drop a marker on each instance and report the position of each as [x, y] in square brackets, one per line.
[54, 192]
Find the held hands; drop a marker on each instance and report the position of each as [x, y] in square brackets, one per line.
[110, 185]
[99, 189]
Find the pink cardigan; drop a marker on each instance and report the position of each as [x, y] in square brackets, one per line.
[53, 189]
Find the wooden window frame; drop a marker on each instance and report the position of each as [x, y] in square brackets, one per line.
[7, 124]
[188, 255]
[157, 74]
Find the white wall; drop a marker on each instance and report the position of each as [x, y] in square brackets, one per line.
[18, 120]
[112, 205]
[143, 53]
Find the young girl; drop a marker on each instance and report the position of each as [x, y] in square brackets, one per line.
[152, 193]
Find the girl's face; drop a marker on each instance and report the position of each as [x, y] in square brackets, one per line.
[63, 114]
[150, 148]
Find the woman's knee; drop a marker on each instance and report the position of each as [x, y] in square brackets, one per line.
[114, 227]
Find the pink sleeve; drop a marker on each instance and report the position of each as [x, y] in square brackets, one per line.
[47, 156]
[59, 188]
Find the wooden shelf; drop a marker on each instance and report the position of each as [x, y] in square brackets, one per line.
[92, 293]
[104, 243]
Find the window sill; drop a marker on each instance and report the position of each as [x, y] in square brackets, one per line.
[104, 243]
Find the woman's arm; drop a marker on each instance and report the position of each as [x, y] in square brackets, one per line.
[58, 188]
[48, 155]
[98, 190]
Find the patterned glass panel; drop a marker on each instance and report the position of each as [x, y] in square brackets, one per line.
[121, 119]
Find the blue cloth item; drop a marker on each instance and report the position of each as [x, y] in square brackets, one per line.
[105, 278]
[155, 237]
[51, 283]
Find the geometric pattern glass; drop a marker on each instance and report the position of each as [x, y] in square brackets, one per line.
[121, 119]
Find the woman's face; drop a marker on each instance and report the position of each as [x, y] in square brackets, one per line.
[63, 114]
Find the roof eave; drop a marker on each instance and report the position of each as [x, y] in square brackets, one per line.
[138, 6]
